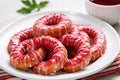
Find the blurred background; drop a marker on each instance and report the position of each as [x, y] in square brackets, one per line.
[8, 8]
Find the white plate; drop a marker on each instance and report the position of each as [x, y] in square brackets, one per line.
[113, 46]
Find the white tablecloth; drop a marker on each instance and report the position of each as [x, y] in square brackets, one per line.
[8, 13]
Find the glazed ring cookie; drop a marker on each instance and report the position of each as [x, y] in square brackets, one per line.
[54, 25]
[26, 54]
[98, 45]
[19, 37]
[82, 57]
[58, 59]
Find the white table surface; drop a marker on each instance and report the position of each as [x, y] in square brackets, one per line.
[8, 13]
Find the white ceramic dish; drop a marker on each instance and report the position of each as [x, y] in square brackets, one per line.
[110, 14]
[113, 46]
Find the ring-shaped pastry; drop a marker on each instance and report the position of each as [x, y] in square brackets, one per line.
[27, 53]
[57, 60]
[54, 25]
[82, 57]
[98, 45]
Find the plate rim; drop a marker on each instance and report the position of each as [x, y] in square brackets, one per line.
[67, 12]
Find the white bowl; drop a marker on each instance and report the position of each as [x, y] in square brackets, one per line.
[108, 13]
